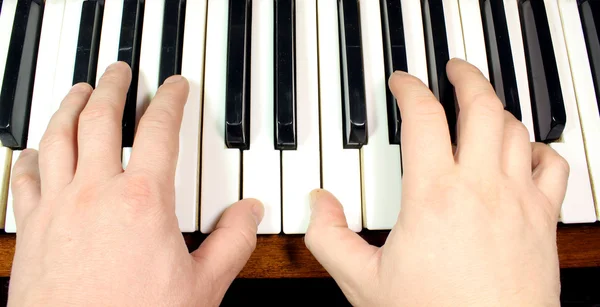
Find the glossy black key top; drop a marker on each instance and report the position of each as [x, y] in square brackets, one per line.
[0, 6]
[589, 11]
[438, 55]
[499, 54]
[129, 52]
[237, 97]
[172, 39]
[86, 58]
[549, 115]
[394, 51]
[285, 75]
[354, 108]
[19, 73]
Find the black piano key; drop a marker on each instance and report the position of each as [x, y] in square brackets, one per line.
[438, 55]
[549, 115]
[237, 97]
[285, 75]
[19, 73]
[590, 18]
[0, 6]
[354, 108]
[172, 40]
[499, 54]
[86, 58]
[129, 52]
[394, 51]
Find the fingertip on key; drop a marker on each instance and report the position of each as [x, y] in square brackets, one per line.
[81, 87]
[173, 79]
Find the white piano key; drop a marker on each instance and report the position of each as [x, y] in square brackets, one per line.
[301, 168]
[340, 167]
[261, 163]
[511, 11]
[474, 41]
[220, 181]
[10, 224]
[69, 35]
[7, 18]
[149, 63]
[149, 55]
[187, 176]
[381, 169]
[454, 32]
[414, 37]
[108, 53]
[42, 107]
[586, 98]
[578, 205]
[5, 164]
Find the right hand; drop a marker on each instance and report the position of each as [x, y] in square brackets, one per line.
[477, 226]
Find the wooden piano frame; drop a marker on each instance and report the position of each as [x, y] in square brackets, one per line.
[286, 256]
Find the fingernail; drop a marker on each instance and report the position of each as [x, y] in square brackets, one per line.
[112, 66]
[258, 212]
[173, 79]
[79, 87]
[399, 72]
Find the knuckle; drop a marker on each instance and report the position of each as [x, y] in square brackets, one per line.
[140, 191]
[158, 118]
[56, 137]
[87, 194]
[310, 238]
[99, 112]
[561, 163]
[426, 108]
[487, 104]
[246, 239]
[22, 179]
[517, 128]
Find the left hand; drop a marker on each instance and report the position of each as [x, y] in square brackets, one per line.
[91, 233]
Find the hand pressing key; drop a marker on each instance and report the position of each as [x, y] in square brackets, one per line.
[90, 233]
[477, 226]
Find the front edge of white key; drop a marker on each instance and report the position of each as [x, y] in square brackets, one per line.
[261, 163]
[220, 178]
[381, 167]
[301, 170]
[340, 167]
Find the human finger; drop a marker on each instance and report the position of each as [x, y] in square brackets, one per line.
[516, 153]
[99, 136]
[341, 251]
[227, 249]
[480, 119]
[58, 146]
[550, 173]
[25, 184]
[156, 146]
[425, 137]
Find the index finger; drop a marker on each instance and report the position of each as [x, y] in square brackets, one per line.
[426, 145]
[156, 144]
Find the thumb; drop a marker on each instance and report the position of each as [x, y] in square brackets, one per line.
[25, 184]
[226, 250]
[550, 173]
[341, 251]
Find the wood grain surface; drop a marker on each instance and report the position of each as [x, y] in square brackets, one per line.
[285, 256]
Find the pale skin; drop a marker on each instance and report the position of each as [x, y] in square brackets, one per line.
[477, 225]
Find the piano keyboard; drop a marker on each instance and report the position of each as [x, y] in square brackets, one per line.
[291, 95]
